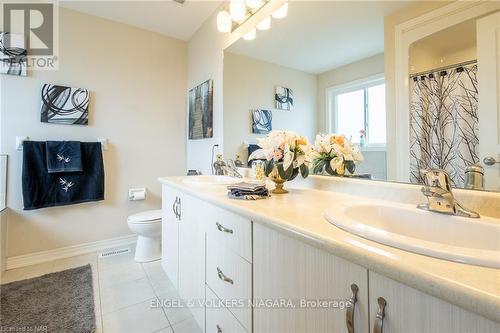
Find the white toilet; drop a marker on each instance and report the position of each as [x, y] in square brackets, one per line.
[147, 226]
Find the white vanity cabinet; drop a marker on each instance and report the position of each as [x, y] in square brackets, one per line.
[219, 318]
[229, 263]
[411, 311]
[192, 256]
[214, 255]
[183, 248]
[171, 216]
[288, 269]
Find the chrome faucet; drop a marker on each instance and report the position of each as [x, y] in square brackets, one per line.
[439, 195]
[226, 168]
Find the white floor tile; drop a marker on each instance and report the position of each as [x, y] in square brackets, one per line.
[162, 285]
[187, 326]
[125, 294]
[117, 260]
[175, 314]
[153, 268]
[139, 318]
[165, 330]
[122, 290]
[118, 274]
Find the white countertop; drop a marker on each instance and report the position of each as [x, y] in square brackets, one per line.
[300, 214]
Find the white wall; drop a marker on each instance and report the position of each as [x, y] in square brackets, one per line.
[249, 84]
[422, 59]
[138, 85]
[342, 75]
[206, 61]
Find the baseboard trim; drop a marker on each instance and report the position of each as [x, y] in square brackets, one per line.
[67, 252]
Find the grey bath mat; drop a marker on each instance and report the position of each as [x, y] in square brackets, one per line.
[58, 302]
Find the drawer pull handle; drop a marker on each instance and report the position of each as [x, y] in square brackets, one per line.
[349, 319]
[222, 228]
[223, 277]
[218, 329]
[378, 326]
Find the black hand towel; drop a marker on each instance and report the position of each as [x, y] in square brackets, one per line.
[43, 189]
[64, 156]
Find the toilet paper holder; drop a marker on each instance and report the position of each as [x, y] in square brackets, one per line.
[135, 194]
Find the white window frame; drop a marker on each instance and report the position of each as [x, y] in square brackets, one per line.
[331, 102]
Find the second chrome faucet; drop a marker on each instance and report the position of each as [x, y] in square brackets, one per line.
[439, 195]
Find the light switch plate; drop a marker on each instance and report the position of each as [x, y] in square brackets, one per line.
[20, 140]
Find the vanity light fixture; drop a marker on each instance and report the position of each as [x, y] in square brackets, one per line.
[224, 23]
[237, 10]
[241, 10]
[253, 4]
[281, 12]
[264, 24]
[250, 35]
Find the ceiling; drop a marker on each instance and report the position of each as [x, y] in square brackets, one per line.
[458, 37]
[318, 36]
[166, 17]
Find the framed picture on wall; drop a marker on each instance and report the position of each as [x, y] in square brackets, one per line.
[284, 98]
[262, 121]
[201, 111]
[64, 105]
[13, 54]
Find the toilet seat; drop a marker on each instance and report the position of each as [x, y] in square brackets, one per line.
[147, 217]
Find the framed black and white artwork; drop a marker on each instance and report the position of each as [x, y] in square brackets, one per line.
[262, 121]
[64, 105]
[284, 98]
[13, 54]
[201, 111]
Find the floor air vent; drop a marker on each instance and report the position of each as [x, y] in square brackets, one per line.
[113, 253]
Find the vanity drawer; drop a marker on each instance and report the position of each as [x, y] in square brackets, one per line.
[230, 278]
[231, 231]
[220, 319]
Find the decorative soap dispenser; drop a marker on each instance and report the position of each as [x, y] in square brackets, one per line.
[237, 162]
[219, 165]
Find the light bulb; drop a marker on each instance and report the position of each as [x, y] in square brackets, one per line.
[253, 3]
[250, 35]
[224, 23]
[264, 24]
[281, 12]
[237, 10]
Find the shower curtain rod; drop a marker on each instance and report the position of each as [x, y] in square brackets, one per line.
[465, 63]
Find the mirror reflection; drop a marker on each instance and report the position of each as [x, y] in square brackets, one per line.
[425, 99]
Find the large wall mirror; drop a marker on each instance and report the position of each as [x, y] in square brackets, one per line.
[3, 182]
[426, 98]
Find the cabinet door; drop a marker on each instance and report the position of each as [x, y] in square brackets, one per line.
[288, 269]
[219, 318]
[410, 311]
[192, 256]
[170, 233]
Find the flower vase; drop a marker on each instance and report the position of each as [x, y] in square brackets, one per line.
[340, 170]
[278, 181]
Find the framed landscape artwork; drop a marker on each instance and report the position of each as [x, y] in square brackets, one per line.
[201, 112]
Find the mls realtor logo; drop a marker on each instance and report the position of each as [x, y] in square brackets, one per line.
[28, 37]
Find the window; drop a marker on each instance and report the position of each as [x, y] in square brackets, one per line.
[359, 106]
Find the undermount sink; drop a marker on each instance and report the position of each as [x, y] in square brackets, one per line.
[211, 180]
[453, 238]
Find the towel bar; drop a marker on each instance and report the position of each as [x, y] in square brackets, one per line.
[20, 140]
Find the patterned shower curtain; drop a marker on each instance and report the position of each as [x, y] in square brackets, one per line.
[444, 122]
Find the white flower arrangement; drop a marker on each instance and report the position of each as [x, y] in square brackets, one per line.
[285, 151]
[333, 154]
